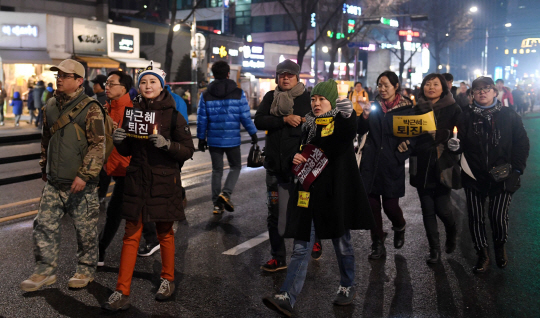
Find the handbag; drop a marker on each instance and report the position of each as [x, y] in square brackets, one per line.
[500, 172]
[256, 157]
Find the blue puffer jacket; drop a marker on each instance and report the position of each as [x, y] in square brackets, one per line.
[180, 103]
[221, 110]
[17, 103]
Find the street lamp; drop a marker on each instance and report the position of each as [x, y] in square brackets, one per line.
[176, 28]
[325, 49]
[508, 25]
[473, 9]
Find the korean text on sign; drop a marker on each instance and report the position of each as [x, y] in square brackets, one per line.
[309, 171]
[140, 123]
[411, 126]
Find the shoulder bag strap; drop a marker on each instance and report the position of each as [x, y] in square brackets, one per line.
[69, 117]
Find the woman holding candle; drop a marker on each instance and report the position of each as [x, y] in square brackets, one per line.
[495, 146]
[153, 189]
[433, 170]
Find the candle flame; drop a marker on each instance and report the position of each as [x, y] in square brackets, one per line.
[455, 129]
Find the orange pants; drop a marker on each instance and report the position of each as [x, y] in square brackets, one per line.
[131, 240]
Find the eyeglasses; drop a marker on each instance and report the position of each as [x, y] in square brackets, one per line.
[482, 89]
[110, 84]
[286, 75]
[64, 76]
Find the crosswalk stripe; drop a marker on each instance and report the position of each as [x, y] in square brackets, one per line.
[239, 249]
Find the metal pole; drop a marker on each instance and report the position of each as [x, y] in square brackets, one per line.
[194, 64]
[486, 54]
[316, 48]
[356, 50]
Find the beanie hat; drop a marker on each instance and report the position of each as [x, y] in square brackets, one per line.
[288, 66]
[327, 89]
[152, 71]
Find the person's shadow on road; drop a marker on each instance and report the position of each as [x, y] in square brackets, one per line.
[374, 300]
[446, 306]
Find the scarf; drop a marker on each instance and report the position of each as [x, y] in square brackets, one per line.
[311, 127]
[284, 100]
[386, 105]
[62, 99]
[484, 122]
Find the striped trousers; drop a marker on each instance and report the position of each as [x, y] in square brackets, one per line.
[497, 213]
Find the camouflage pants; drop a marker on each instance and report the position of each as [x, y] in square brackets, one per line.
[83, 208]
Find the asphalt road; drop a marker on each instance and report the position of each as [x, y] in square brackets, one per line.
[212, 284]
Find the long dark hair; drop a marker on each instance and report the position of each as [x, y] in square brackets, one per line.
[393, 78]
[429, 77]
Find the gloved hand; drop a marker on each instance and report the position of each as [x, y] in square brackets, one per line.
[453, 144]
[345, 107]
[254, 139]
[403, 146]
[202, 145]
[119, 135]
[160, 141]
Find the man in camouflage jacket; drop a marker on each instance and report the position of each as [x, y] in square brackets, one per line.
[71, 158]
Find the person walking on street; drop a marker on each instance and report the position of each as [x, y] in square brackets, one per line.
[70, 163]
[358, 97]
[30, 105]
[504, 95]
[99, 89]
[383, 165]
[38, 102]
[428, 163]
[336, 200]
[153, 187]
[521, 100]
[3, 96]
[117, 86]
[222, 108]
[462, 98]
[17, 105]
[492, 140]
[281, 113]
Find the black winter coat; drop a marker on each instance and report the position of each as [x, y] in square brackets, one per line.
[153, 186]
[338, 200]
[481, 155]
[383, 166]
[282, 140]
[423, 165]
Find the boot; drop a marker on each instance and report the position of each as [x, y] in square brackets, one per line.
[483, 261]
[451, 237]
[377, 250]
[434, 256]
[500, 255]
[399, 237]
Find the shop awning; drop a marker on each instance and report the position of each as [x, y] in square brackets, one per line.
[98, 61]
[137, 63]
[25, 56]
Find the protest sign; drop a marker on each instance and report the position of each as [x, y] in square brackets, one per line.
[140, 123]
[308, 171]
[414, 125]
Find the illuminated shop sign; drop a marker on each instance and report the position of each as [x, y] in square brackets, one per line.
[391, 22]
[530, 42]
[370, 47]
[253, 56]
[20, 30]
[352, 9]
[123, 43]
[408, 46]
[409, 33]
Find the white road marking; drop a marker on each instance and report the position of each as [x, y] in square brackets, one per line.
[238, 249]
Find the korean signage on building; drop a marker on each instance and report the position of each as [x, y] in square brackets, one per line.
[23, 30]
[225, 48]
[89, 37]
[253, 56]
[123, 42]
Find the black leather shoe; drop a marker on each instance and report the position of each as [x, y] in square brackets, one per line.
[434, 256]
[399, 238]
[483, 261]
[451, 237]
[377, 250]
[500, 255]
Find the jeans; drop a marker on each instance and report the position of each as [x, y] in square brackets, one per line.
[33, 116]
[17, 119]
[2, 112]
[436, 202]
[114, 215]
[235, 163]
[297, 270]
[277, 244]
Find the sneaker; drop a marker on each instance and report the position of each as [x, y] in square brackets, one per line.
[148, 249]
[345, 296]
[117, 301]
[279, 303]
[316, 252]
[166, 289]
[218, 208]
[274, 265]
[101, 259]
[79, 281]
[36, 281]
[226, 201]
[1, 123]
